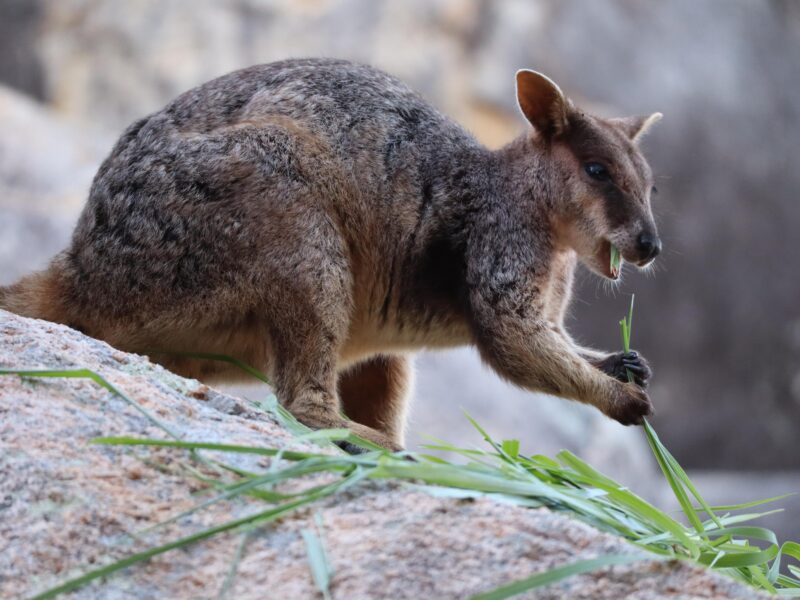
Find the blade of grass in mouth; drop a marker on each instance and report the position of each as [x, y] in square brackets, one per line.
[616, 260]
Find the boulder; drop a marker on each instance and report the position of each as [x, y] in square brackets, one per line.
[67, 505]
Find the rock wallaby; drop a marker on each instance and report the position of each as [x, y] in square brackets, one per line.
[319, 220]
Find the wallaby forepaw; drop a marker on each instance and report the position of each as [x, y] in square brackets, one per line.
[619, 364]
[630, 405]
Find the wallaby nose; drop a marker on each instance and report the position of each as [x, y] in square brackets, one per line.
[649, 245]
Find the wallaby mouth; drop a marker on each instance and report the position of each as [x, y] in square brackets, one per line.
[609, 260]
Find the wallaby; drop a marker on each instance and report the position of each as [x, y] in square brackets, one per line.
[319, 220]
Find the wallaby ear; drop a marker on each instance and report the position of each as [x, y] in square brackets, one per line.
[636, 127]
[542, 102]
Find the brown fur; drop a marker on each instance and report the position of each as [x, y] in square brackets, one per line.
[318, 220]
[373, 392]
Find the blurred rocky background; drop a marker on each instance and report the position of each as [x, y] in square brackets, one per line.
[720, 317]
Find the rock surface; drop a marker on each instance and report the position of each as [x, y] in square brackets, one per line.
[67, 505]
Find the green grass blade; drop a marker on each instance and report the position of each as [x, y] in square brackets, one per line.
[480, 429]
[761, 579]
[129, 441]
[729, 520]
[623, 327]
[284, 417]
[786, 581]
[742, 559]
[717, 508]
[631, 502]
[791, 549]
[615, 259]
[99, 380]
[678, 472]
[559, 573]
[674, 482]
[687, 482]
[629, 324]
[581, 466]
[511, 448]
[321, 570]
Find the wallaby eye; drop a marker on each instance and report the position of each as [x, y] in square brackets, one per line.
[597, 171]
[654, 190]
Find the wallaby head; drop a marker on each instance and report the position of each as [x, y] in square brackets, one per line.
[601, 182]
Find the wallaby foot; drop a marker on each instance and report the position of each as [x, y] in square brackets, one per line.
[321, 412]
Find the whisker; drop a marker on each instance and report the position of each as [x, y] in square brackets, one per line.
[597, 288]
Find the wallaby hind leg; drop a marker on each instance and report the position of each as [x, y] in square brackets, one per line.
[374, 392]
[307, 325]
[305, 382]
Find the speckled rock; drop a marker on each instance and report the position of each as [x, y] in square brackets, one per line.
[67, 505]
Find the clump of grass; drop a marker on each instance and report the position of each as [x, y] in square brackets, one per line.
[715, 535]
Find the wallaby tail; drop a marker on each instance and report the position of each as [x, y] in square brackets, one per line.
[39, 295]
[26, 297]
